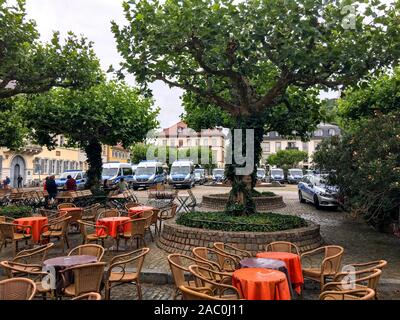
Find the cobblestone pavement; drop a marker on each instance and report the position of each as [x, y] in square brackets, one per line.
[361, 243]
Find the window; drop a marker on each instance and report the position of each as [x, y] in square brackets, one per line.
[305, 146]
[62, 141]
[80, 165]
[197, 142]
[205, 142]
[180, 129]
[127, 171]
[65, 165]
[291, 145]
[78, 176]
[159, 170]
[52, 166]
[164, 142]
[265, 147]
[214, 142]
[331, 132]
[172, 142]
[318, 133]
[188, 142]
[180, 143]
[277, 146]
[37, 167]
[59, 166]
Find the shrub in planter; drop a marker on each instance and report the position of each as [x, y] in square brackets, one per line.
[16, 212]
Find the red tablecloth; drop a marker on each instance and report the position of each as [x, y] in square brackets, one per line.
[261, 284]
[113, 224]
[138, 210]
[36, 224]
[293, 265]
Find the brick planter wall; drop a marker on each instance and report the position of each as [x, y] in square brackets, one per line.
[181, 239]
[217, 202]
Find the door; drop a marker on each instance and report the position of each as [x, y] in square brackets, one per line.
[17, 167]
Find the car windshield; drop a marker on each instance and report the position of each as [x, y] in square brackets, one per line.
[296, 172]
[218, 172]
[199, 171]
[145, 171]
[109, 172]
[320, 181]
[64, 175]
[197, 174]
[260, 172]
[277, 172]
[180, 170]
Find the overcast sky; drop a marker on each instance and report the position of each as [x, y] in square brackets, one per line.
[92, 19]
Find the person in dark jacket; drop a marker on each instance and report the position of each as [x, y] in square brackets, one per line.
[71, 183]
[51, 187]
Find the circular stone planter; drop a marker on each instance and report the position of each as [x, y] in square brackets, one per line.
[181, 239]
[217, 202]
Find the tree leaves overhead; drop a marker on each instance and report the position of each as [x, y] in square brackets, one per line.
[242, 56]
[29, 66]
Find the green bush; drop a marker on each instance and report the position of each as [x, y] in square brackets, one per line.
[259, 222]
[263, 194]
[16, 212]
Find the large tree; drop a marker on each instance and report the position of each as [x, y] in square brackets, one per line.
[255, 59]
[108, 113]
[287, 159]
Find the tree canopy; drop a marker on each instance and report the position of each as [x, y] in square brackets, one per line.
[108, 113]
[287, 158]
[29, 66]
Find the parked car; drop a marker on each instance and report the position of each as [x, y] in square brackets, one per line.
[148, 173]
[261, 175]
[218, 175]
[78, 175]
[182, 174]
[315, 189]
[276, 174]
[200, 176]
[114, 171]
[294, 175]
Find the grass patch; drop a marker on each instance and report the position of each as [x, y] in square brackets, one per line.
[259, 222]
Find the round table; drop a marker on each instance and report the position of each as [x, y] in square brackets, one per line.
[69, 261]
[138, 210]
[293, 266]
[36, 224]
[113, 224]
[261, 284]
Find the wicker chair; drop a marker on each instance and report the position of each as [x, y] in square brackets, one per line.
[50, 214]
[329, 267]
[118, 273]
[232, 251]
[283, 246]
[355, 280]
[378, 264]
[34, 272]
[221, 260]
[356, 294]
[35, 255]
[9, 233]
[179, 265]
[88, 232]
[90, 213]
[131, 204]
[148, 215]
[17, 289]
[87, 278]
[166, 214]
[66, 205]
[154, 220]
[88, 296]
[108, 213]
[89, 250]
[6, 219]
[137, 231]
[221, 288]
[194, 293]
[58, 230]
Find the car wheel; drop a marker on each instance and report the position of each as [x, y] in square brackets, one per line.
[301, 199]
[316, 203]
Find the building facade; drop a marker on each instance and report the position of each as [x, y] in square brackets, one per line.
[181, 137]
[34, 162]
[273, 142]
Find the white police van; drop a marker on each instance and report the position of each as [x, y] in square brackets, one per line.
[148, 173]
[182, 174]
[114, 171]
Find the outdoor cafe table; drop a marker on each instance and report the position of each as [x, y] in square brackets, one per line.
[293, 266]
[136, 211]
[267, 264]
[60, 263]
[261, 284]
[64, 211]
[36, 224]
[113, 224]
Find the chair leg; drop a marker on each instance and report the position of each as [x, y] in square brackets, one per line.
[139, 290]
[151, 235]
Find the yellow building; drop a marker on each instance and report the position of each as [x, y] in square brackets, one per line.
[34, 162]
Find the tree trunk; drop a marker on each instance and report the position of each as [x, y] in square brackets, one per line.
[240, 200]
[93, 152]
